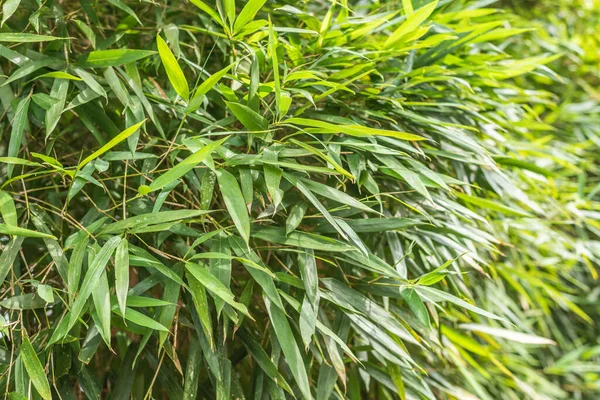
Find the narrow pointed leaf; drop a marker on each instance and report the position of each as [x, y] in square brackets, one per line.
[174, 72]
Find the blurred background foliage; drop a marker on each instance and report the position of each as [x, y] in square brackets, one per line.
[272, 199]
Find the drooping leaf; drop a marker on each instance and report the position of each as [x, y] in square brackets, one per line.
[34, 369]
[248, 117]
[289, 347]
[215, 286]
[18, 127]
[234, 201]
[122, 274]
[7, 209]
[8, 9]
[90, 280]
[59, 91]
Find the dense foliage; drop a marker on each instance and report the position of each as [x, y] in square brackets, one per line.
[270, 199]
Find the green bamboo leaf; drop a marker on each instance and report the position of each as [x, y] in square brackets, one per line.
[249, 118]
[220, 266]
[140, 257]
[46, 293]
[352, 299]
[290, 349]
[207, 9]
[89, 33]
[412, 178]
[60, 88]
[376, 225]
[91, 82]
[336, 195]
[229, 6]
[116, 86]
[318, 205]
[492, 205]
[8, 9]
[174, 72]
[204, 88]
[272, 177]
[53, 247]
[16, 231]
[247, 14]
[119, 4]
[295, 217]
[8, 256]
[412, 22]
[122, 274]
[112, 143]
[140, 319]
[300, 239]
[322, 328]
[144, 220]
[112, 58]
[273, 45]
[182, 168]
[16, 135]
[101, 299]
[436, 275]
[29, 67]
[90, 281]
[200, 301]
[139, 301]
[416, 305]
[325, 157]
[408, 7]
[507, 334]
[29, 301]
[214, 285]
[34, 368]
[7, 209]
[234, 202]
[75, 267]
[18, 161]
[59, 75]
[263, 360]
[166, 314]
[513, 162]
[310, 304]
[246, 298]
[13, 37]
[352, 130]
[431, 294]
[44, 101]
[192, 370]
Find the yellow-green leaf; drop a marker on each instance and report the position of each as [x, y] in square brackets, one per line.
[174, 72]
[352, 130]
[112, 143]
[412, 23]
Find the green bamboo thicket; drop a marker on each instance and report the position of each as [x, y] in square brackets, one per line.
[312, 200]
